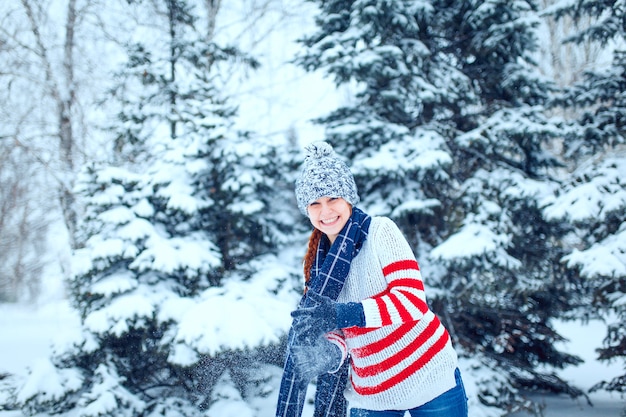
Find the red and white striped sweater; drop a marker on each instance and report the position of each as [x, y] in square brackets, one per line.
[403, 357]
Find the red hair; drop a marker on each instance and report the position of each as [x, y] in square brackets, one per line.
[311, 251]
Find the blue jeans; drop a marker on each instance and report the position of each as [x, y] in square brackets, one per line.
[452, 403]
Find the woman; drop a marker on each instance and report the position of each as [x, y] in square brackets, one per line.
[364, 300]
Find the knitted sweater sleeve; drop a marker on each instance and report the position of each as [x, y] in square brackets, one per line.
[404, 299]
[336, 338]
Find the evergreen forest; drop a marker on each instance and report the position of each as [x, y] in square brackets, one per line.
[148, 152]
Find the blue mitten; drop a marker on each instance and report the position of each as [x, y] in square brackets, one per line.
[315, 359]
[326, 315]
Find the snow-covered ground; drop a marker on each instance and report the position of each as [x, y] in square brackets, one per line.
[26, 334]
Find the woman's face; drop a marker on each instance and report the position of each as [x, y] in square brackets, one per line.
[329, 215]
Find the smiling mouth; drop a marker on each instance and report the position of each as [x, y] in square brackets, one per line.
[329, 221]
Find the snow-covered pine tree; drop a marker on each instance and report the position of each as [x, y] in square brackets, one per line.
[593, 199]
[391, 132]
[502, 260]
[446, 134]
[180, 282]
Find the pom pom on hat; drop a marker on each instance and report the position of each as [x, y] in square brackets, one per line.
[323, 174]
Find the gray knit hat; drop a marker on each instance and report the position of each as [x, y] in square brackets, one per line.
[323, 174]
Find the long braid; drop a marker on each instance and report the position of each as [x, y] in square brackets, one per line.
[309, 258]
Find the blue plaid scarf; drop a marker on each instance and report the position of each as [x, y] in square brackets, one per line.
[328, 274]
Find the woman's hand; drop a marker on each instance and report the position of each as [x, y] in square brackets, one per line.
[319, 319]
[315, 359]
[326, 315]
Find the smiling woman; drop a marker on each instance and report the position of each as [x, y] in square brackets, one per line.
[363, 327]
